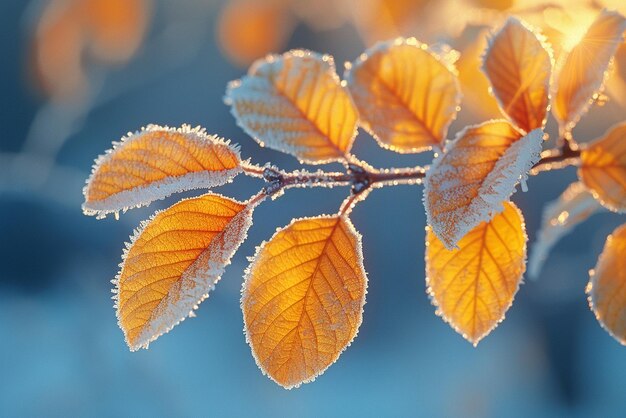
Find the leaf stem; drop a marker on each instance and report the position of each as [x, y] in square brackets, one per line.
[363, 177]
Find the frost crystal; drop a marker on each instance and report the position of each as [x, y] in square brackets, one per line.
[149, 165]
[294, 103]
[196, 282]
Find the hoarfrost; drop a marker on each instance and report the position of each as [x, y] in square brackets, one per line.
[196, 282]
[273, 102]
[452, 209]
[145, 194]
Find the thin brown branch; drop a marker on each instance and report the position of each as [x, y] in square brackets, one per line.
[361, 177]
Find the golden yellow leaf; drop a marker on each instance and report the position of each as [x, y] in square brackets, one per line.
[581, 74]
[295, 103]
[155, 162]
[467, 184]
[473, 286]
[174, 260]
[603, 168]
[407, 95]
[303, 298]
[606, 288]
[518, 66]
[250, 29]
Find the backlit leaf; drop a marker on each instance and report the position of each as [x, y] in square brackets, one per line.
[473, 286]
[582, 73]
[407, 95]
[519, 67]
[174, 260]
[295, 103]
[575, 205]
[467, 184]
[155, 162]
[603, 168]
[607, 286]
[303, 298]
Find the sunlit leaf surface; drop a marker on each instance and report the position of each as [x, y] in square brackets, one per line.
[295, 103]
[479, 170]
[174, 260]
[303, 298]
[519, 67]
[473, 286]
[603, 168]
[156, 162]
[582, 73]
[607, 286]
[574, 206]
[406, 95]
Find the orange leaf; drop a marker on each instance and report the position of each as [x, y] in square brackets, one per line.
[174, 260]
[574, 206]
[474, 285]
[603, 168]
[607, 298]
[582, 74]
[407, 95]
[518, 67]
[303, 298]
[155, 162]
[295, 103]
[479, 170]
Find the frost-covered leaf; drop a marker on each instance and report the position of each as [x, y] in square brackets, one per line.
[603, 168]
[607, 284]
[174, 260]
[473, 286]
[407, 95]
[575, 205]
[467, 184]
[155, 162]
[518, 65]
[295, 103]
[303, 298]
[581, 74]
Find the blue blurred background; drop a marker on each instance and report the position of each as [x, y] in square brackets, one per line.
[61, 352]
